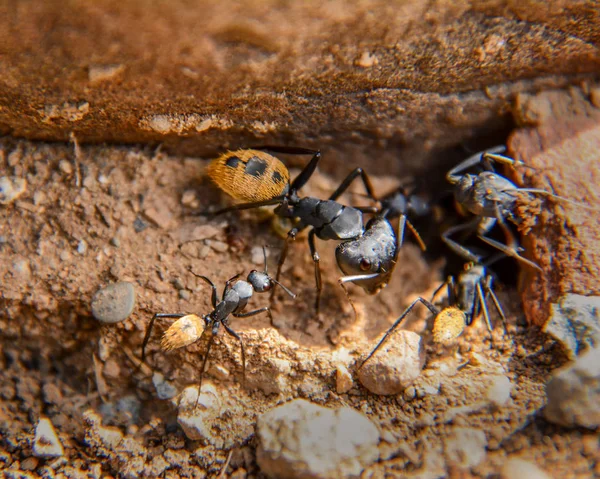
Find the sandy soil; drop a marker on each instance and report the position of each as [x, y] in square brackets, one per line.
[109, 214]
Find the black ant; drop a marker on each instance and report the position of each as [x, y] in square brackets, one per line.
[366, 255]
[492, 199]
[190, 328]
[467, 299]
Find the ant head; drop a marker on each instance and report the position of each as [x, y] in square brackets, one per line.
[464, 187]
[372, 256]
[260, 281]
[448, 325]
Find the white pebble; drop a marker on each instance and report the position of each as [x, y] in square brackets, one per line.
[516, 468]
[46, 442]
[303, 440]
[11, 188]
[465, 447]
[574, 393]
[196, 415]
[498, 392]
[343, 379]
[395, 365]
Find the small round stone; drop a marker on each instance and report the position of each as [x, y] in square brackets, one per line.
[114, 303]
[517, 467]
[11, 188]
[465, 447]
[395, 365]
[301, 440]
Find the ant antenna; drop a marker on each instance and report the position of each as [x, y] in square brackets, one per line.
[292, 295]
[551, 195]
[264, 248]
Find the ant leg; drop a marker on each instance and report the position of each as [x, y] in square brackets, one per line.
[458, 248]
[489, 290]
[415, 234]
[255, 312]
[341, 281]
[243, 206]
[348, 181]
[231, 332]
[316, 258]
[503, 160]
[511, 248]
[150, 326]
[291, 236]
[455, 174]
[228, 285]
[403, 223]
[264, 248]
[449, 284]
[215, 330]
[211, 284]
[429, 306]
[486, 313]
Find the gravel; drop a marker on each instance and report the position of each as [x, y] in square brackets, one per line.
[465, 447]
[517, 467]
[575, 323]
[46, 442]
[395, 365]
[303, 440]
[11, 188]
[114, 303]
[573, 393]
[196, 415]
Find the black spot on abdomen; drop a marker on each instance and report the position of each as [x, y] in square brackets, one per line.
[232, 162]
[276, 177]
[255, 166]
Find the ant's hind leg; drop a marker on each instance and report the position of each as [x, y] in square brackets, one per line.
[393, 327]
[348, 181]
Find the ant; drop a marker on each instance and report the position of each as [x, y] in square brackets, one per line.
[367, 254]
[189, 328]
[467, 299]
[492, 199]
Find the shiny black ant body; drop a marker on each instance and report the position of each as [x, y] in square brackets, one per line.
[190, 328]
[367, 255]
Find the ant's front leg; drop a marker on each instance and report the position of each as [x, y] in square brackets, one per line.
[455, 174]
[214, 293]
[291, 236]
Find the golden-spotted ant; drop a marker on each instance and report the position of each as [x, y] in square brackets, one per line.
[367, 255]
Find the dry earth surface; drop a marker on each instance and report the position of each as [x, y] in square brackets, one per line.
[130, 220]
